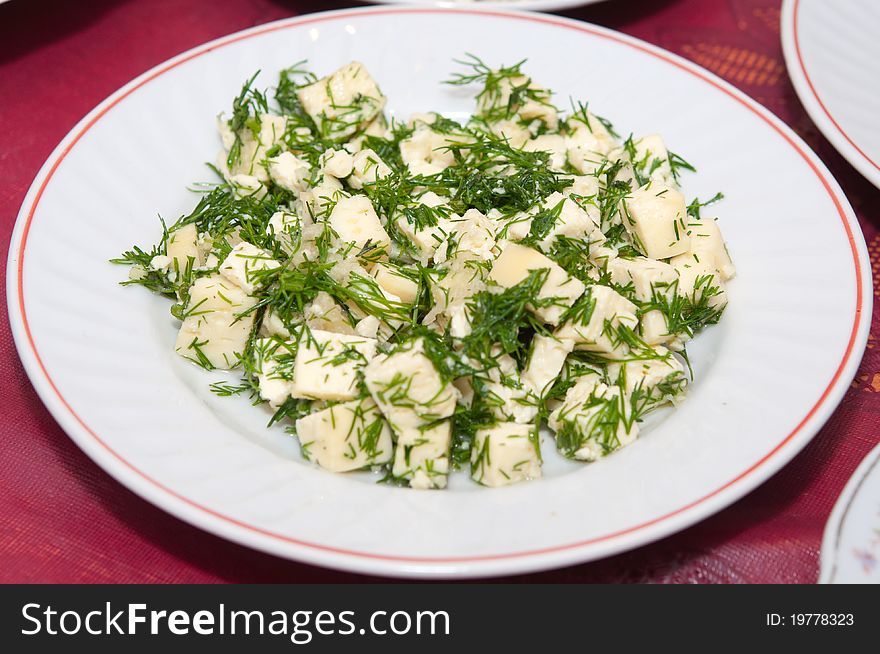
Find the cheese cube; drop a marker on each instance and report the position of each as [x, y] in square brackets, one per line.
[273, 367]
[244, 264]
[652, 159]
[182, 245]
[545, 362]
[425, 461]
[473, 233]
[324, 314]
[706, 241]
[451, 288]
[511, 400]
[244, 186]
[515, 263]
[415, 401]
[648, 281]
[214, 333]
[368, 326]
[286, 228]
[511, 131]
[602, 312]
[355, 222]
[425, 151]
[319, 199]
[571, 220]
[254, 146]
[505, 454]
[699, 281]
[344, 102]
[289, 172]
[273, 325]
[553, 144]
[337, 163]
[409, 390]
[345, 437]
[593, 420]
[654, 380]
[367, 167]
[656, 218]
[535, 104]
[327, 364]
[391, 279]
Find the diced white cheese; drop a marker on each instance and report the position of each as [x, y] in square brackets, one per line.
[343, 102]
[589, 142]
[367, 167]
[699, 280]
[656, 217]
[595, 327]
[273, 366]
[473, 233]
[254, 146]
[511, 400]
[656, 380]
[392, 280]
[161, 263]
[533, 104]
[545, 362]
[324, 314]
[511, 131]
[412, 395]
[285, 227]
[451, 288]
[345, 437]
[515, 263]
[593, 420]
[182, 245]
[214, 333]
[706, 241]
[273, 325]
[368, 326]
[244, 263]
[585, 186]
[355, 222]
[327, 364]
[652, 159]
[569, 220]
[425, 461]
[554, 144]
[426, 152]
[649, 280]
[505, 454]
[227, 136]
[338, 163]
[247, 185]
[289, 172]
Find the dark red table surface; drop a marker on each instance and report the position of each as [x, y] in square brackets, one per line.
[62, 519]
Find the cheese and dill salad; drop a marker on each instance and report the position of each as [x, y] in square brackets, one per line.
[416, 298]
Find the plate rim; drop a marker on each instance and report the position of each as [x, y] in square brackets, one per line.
[831, 537]
[812, 101]
[289, 547]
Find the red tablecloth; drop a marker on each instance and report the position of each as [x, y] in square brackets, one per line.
[64, 520]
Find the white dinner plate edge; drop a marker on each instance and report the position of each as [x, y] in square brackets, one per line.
[811, 102]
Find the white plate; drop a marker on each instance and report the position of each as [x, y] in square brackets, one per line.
[100, 355]
[832, 52]
[530, 5]
[851, 545]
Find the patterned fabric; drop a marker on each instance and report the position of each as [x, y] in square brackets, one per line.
[64, 520]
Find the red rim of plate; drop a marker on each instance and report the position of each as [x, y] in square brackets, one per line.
[673, 60]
